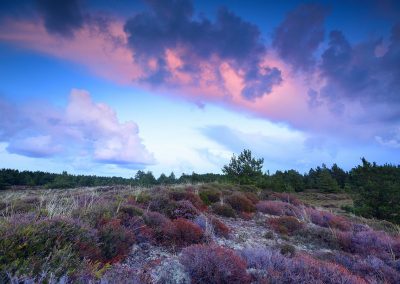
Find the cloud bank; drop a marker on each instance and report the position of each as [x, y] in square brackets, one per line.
[90, 129]
[309, 77]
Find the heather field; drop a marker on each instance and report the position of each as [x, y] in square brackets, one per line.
[204, 233]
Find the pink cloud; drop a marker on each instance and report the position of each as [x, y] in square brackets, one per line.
[218, 81]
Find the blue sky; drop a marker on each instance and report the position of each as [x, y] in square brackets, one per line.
[95, 88]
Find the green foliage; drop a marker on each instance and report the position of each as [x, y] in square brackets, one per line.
[210, 195]
[59, 244]
[244, 169]
[223, 210]
[378, 191]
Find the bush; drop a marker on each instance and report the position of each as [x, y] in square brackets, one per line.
[220, 228]
[189, 196]
[318, 236]
[252, 197]
[183, 232]
[328, 220]
[173, 209]
[285, 225]
[288, 250]
[371, 268]
[285, 197]
[223, 210]
[210, 195]
[370, 243]
[115, 241]
[157, 222]
[278, 208]
[97, 214]
[240, 203]
[60, 243]
[273, 267]
[211, 264]
[183, 209]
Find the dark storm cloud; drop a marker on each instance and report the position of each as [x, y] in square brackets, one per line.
[358, 73]
[171, 24]
[61, 17]
[300, 34]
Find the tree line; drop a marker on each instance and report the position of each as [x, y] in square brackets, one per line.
[375, 188]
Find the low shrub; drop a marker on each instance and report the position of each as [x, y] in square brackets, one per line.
[223, 210]
[285, 197]
[272, 267]
[220, 229]
[287, 250]
[210, 195]
[370, 242]
[59, 243]
[173, 209]
[115, 241]
[318, 236]
[183, 232]
[97, 214]
[240, 202]
[371, 268]
[158, 223]
[211, 264]
[119, 273]
[252, 197]
[183, 209]
[286, 225]
[143, 197]
[278, 208]
[246, 215]
[328, 220]
[24, 205]
[187, 195]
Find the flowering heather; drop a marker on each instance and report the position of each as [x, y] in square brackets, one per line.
[212, 264]
[278, 208]
[272, 267]
[371, 242]
[328, 220]
[373, 269]
[240, 202]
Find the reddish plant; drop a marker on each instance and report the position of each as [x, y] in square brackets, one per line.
[115, 241]
[278, 208]
[286, 225]
[220, 228]
[188, 195]
[183, 232]
[252, 197]
[211, 264]
[246, 215]
[183, 209]
[240, 202]
[328, 220]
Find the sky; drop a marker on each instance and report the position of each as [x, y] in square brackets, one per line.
[113, 87]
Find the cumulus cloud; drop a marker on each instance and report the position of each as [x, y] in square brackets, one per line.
[84, 129]
[299, 35]
[171, 26]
